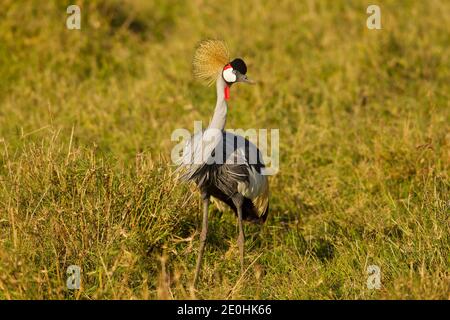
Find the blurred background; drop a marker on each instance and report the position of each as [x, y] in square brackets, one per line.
[85, 123]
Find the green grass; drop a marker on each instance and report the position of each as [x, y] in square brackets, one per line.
[85, 171]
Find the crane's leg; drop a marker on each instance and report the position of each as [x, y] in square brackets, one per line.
[238, 200]
[205, 198]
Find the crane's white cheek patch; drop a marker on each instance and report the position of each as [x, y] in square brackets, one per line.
[229, 75]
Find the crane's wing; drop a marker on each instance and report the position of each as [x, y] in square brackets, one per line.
[232, 164]
[255, 186]
[198, 154]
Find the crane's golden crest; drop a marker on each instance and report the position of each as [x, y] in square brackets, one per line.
[209, 59]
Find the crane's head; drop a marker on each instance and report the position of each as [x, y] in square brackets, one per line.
[235, 71]
[212, 58]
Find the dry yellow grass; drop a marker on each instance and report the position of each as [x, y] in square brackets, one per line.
[85, 124]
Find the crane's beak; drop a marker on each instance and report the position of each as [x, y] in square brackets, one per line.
[243, 78]
[249, 81]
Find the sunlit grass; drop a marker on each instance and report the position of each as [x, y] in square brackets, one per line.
[85, 173]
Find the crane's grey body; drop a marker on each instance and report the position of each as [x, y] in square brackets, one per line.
[236, 179]
[224, 179]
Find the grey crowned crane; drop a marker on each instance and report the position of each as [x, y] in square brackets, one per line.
[223, 165]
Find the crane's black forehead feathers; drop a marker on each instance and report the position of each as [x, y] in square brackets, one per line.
[239, 65]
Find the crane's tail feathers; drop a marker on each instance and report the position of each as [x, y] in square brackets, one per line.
[209, 59]
[261, 202]
[263, 217]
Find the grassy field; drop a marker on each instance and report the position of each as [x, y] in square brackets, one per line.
[85, 172]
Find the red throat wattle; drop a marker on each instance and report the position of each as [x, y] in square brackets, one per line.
[227, 92]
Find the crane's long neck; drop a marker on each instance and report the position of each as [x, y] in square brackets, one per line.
[220, 113]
